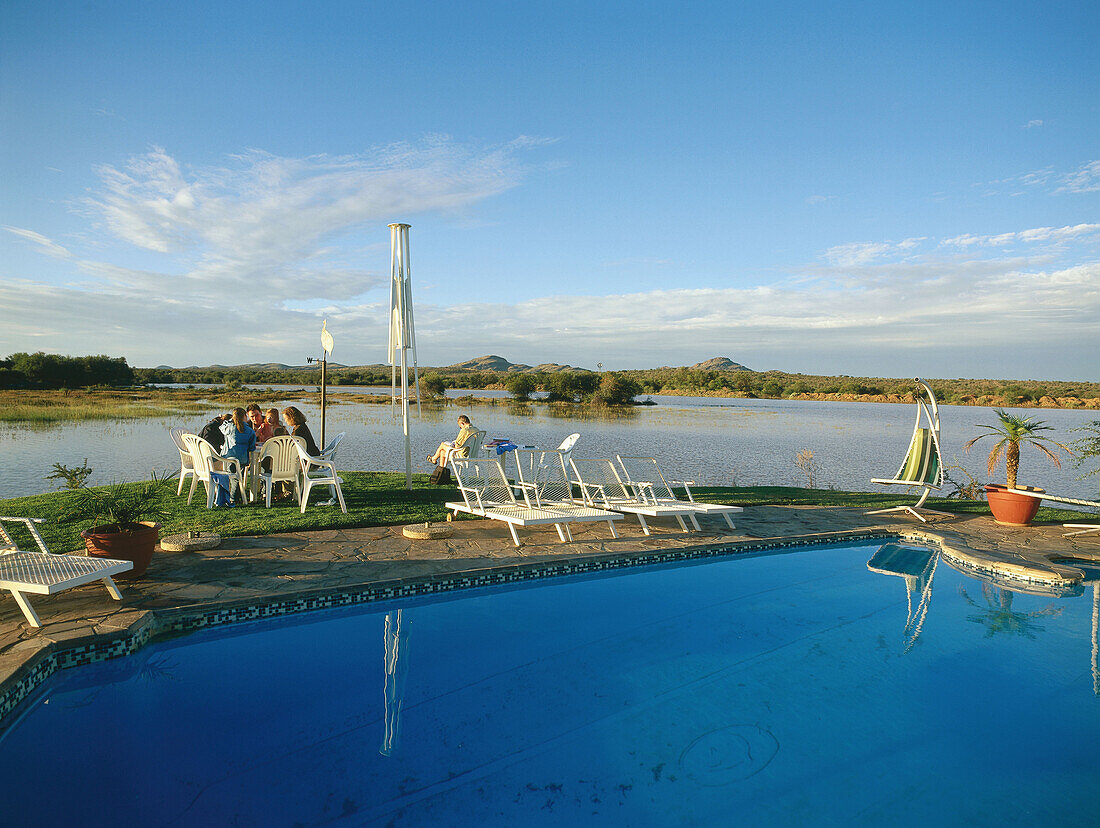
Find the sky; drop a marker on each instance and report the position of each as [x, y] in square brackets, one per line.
[866, 189]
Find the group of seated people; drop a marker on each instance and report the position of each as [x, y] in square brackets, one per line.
[241, 431]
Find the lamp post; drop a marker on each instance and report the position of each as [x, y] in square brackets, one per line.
[326, 344]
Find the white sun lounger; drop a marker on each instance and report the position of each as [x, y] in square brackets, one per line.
[602, 487]
[487, 493]
[645, 477]
[545, 484]
[43, 573]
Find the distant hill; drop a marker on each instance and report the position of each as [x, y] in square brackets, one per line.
[555, 368]
[489, 363]
[258, 366]
[719, 364]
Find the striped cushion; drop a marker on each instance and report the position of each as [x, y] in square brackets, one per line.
[922, 462]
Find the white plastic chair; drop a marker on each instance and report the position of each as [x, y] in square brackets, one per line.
[44, 573]
[566, 447]
[187, 465]
[286, 466]
[470, 450]
[329, 451]
[204, 457]
[316, 471]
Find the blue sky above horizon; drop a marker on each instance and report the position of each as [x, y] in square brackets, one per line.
[836, 188]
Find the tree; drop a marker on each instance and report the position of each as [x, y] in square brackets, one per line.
[433, 385]
[521, 386]
[616, 389]
[1014, 431]
[1087, 447]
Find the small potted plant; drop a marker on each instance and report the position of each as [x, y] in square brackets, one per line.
[124, 521]
[1009, 508]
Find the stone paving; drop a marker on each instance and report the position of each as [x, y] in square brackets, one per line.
[257, 571]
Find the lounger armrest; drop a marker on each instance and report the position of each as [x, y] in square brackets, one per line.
[686, 485]
[29, 523]
[528, 490]
[598, 487]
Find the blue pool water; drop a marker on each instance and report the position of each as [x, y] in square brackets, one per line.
[765, 690]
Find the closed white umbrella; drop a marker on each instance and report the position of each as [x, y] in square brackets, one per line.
[402, 335]
[397, 667]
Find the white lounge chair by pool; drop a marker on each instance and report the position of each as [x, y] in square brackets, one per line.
[922, 465]
[644, 475]
[486, 493]
[43, 573]
[602, 486]
[545, 485]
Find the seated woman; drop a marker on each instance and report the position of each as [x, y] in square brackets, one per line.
[259, 424]
[456, 447]
[240, 438]
[298, 428]
[271, 417]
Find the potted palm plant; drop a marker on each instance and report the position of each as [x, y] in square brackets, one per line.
[1013, 431]
[124, 521]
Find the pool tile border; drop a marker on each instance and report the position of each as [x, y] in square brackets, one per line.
[160, 624]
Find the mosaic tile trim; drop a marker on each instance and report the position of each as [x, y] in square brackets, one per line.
[182, 622]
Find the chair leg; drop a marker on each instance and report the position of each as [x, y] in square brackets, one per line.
[304, 496]
[515, 537]
[614, 531]
[179, 488]
[112, 588]
[645, 526]
[194, 483]
[340, 497]
[28, 610]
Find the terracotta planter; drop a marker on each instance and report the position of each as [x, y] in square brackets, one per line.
[137, 546]
[1010, 508]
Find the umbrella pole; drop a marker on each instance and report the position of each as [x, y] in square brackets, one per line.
[324, 379]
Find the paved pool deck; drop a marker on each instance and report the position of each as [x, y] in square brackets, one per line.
[297, 570]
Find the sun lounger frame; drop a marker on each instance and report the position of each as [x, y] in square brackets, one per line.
[44, 573]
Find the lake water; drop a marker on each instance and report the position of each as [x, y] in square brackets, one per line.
[716, 441]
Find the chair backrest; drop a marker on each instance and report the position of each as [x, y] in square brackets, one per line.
[568, 443]
[283, 453]
[471, 449]
[329, 451]
[177, 437]
[642, 472]
[922, 460]
[483, 479]
[546, 471]
[602, 473]
[202, 454]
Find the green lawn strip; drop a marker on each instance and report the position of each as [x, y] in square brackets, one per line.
[380, 499]
[373, 499]
[791, 496]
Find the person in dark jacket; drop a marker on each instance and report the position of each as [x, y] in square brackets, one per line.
[212, 432]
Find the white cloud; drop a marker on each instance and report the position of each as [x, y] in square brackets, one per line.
[1083, 180]
[1033, 236]
[46, 246]
[1035, 122]
[855, 254]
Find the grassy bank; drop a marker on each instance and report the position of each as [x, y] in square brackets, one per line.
[380, 499]
[47, 407]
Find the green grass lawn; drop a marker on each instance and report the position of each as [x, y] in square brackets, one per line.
[380, 499]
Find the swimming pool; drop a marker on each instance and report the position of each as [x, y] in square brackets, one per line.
[808, 687]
